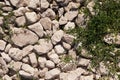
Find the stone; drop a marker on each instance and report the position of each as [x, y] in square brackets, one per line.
[63, 20]
[34, 4]
[57, 36]
[74, 75]
[25, 74]
[33, 59]
[55, 26]
[8, 46]
[42, 62]
[26, 60]
[15, 53]
[2, 45]
[6, 57]
[49, 13]
[80, 20]
[72, 53]
[43, 46]
[44, 4]
[71, 15]
[1, 20]
[7, 8]
[52, 73]
[83, 62]
[68, 38]
[42, 72]
[103, 69]
[72, 6]
[67, 66]
[90, 7]
[20, 21]
[37, 28]
[15, 65]
[69, 25]
[31, 17]
[60, 11]
[59, 49]
[66, 45]
[27, 68]
[89, 77]
[3, 66]
[50, 64]
[53, 57]
[26, 50]
[22, 37]
[6, 77]
[14, 2]
[46, 23]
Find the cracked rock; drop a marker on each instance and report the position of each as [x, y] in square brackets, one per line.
[2, 45]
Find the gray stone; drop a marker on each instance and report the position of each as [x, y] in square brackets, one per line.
[69, 25]
[26, 60]
[6, 57]
[83, 62]
[90, 7]
[42, 62]
[57, 36]
[55, 26]
[44, 4]
[89, 77]
[66, 45]
[33, 59]
[22, 37]
[1, 20]
[37, 28]
[62, 20]
[59, 49]
[15, 53]
[25, 74]
[43, 46]
[50, 64]
[42, 72]
[31, 17]
[14, 2]
[27, 50]
[34, 4]
[52, 73]
[8, 46]
[60, 11]
[46, 23]
[20, 21]
[6, 77]
[68, 38]
[71, 15]
[103, 69]
[2, 45]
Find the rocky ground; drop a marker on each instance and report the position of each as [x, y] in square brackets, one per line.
[34, 44]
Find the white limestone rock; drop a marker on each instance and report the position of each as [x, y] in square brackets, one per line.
[42, 72]
[83, 62]
[22, 37]
[57, 36]
[8, 46]
[27, 50]
[34, 4]
[26, 60]
[37, 28]
[25, 74]
[14, 2]
[6, 57]
[6, 77]
[52, 73]
[46, 23]
[43, 46]
[33, 59]
[44, 4]
[68, 38]
[2, 45]
[89, 77]
[42, 62]
[55, 26]
[50, 64]
[66, 45]
[20, 21]
[69, 25]
[15, 53]
[31, 17]
[63, 20]
[59, 49]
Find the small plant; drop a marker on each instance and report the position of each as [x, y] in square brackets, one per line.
[67, 58]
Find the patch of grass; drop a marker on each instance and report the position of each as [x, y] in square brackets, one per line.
[105, 21]
[67, 58]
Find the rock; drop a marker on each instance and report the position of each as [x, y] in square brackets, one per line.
[69, 25]
[42, 62]
[2, 45]
[52, 73]
[37, 28]
[112, 38]
[60, 12]
[27, 68]
[26, 60]
[20, 21]
[67, 66]
[6, 57]
[25, 74]
[68, 38]
[55, 26]
[90, 7]
[66, 45]
[43, 47]
[80, 20]
[26, 50]
[53, 57]
[34, 4]
[22, 37]
[74, 75]
[14, 2]
[3, 66]
[83, 62]
[59, 1]
[15, 53]
[6, 77]
[72, 53]
[72, 6]
[49, 13]
[7, 8]
[33, 59]
[46, 23]
[44, 4]
[2, 73]
[31, 17]
[1, 20]
[42, 72]
[89, 77]
[59, 49]
[50, 64]
[62, 20]
[71, 15]
[103, 69]
[8, 46]
[57, 36]
[16, 66]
